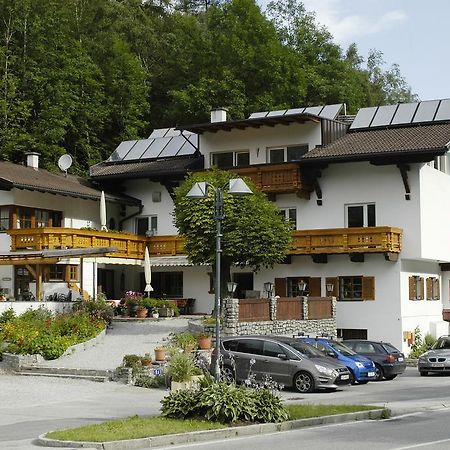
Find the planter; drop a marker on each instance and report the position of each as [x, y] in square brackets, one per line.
[146, 362]
[155, 315]
[141, 313]
[192, 383]
[165, 311]
[204, 342]
[160, 354]
[132, 310]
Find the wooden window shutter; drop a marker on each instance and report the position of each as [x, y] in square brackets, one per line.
[421, 292]
[314, 286]
[335, 282]
[437, 289]
[368, 288]
[412, 288]
[280, 287]
[429, 284]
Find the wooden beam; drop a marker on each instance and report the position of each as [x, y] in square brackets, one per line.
[25, 262]
[39, 282]
[404, 173]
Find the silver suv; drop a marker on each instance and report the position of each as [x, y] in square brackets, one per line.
[286, 360]
[437, 359]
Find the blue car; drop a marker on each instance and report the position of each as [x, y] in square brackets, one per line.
[361, 369]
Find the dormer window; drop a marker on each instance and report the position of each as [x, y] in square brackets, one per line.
[286, 154]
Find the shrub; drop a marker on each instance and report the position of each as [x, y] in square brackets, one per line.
[6, 316]
[97, 309]
[183, 340]
[146, 381]
[225, 403]
[134, 362]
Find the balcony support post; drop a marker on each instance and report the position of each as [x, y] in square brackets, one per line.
[404, 173]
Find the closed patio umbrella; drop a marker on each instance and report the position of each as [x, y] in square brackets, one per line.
[147, 272]
[103, 212]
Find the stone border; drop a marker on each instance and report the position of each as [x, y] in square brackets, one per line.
[210, 435]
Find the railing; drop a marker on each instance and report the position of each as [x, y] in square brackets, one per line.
[254, 309]
[289, 308]
[166, 245]
[320, 308]
[276, 178]
[347, 240]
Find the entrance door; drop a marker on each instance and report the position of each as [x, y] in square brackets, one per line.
[244, 283]
[105, 283]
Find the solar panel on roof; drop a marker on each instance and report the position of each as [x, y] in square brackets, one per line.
[258, 115]
[122, 149]
[384, 115]
[138, 149]
[313, 110]
[159, 132]
[294, 111]
[426, 111]
[155, 148]
[363, 118]
[173, 146]
[189, 148]
[280, 112]
[443, 112]
[405, 113]
[331, 111]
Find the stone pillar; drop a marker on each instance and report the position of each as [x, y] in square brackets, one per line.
[273, 307]
[231, 316]
[305, 308]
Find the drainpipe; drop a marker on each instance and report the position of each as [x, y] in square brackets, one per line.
[141, 208]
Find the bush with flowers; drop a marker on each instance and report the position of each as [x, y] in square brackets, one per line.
[41, 332]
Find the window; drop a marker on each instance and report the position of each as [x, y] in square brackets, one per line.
[351, 333]
[42, 218]
[230, 159]
[147, 225]
[286, 154]
[290, 214]
[24, 218]
[56, 272]
[416, 287]
[72, 273]
[4, 218]
[362, 215]
[253, 346]
[312, 286]
[167, 284]
[272, 349]
[356, 288]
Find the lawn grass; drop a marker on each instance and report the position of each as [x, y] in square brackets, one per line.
[139, 427]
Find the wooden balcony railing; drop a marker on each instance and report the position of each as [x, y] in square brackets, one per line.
[276, 178]
[347, 240]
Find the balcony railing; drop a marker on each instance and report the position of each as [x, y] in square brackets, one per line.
[276, 178]
[347, 240]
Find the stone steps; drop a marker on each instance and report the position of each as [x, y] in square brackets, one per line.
[62, 372]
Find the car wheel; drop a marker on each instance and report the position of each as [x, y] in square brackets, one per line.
[304, 382]
[363, 382]
[379, 374]
[391, 377]
[423, 373]
[352, 377]
[227, 374]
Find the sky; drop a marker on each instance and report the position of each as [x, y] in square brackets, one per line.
[411, 33]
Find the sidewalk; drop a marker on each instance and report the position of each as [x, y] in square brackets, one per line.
[123, 338]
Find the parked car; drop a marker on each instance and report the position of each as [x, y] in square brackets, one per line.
[300, 367]
[437, 359]
[361, 368]
[389, 361]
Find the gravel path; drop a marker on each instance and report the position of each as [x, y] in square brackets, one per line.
[122, 339]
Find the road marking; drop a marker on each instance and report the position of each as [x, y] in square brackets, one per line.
[424, 444]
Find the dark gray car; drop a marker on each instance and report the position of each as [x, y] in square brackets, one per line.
[437, 359]
[285, 360]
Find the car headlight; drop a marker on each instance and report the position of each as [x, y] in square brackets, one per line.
[359, 365]
[325, 370]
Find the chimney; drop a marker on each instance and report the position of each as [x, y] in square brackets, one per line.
[33, 160]
[219, 115]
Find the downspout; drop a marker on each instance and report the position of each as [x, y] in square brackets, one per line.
[141, 207]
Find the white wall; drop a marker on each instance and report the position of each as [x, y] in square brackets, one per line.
[257, 140]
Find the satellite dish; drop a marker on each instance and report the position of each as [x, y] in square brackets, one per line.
[64, 162]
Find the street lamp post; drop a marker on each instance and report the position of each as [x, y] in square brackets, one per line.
[236, 186]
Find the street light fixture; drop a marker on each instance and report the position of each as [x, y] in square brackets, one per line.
[236, 186]
[268, 287]
[301, 286]
[231, 286]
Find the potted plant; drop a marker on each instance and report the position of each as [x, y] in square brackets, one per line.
[204, 341]
[165, 308]
[183, 372]
[141, 311]
[185, 340]
[146, 360]
[160, 354]
[132, 299]
[155, 313]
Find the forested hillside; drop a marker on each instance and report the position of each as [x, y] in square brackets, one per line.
[79, 76]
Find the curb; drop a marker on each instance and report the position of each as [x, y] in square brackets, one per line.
[210, 435]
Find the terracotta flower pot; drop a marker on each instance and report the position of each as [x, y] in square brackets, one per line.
[204, 342]
[141, 313]
[160, 354]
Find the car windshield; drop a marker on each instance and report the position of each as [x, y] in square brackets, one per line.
[341, 348]
[443, 343]
[304, 348]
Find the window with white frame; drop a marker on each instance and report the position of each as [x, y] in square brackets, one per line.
[360, 215]
[290, 214]
[224, 160]
[439, 163]
[285, 154]
[146, 225]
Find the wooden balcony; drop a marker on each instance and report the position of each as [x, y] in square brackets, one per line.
[446, 315]
[276, 178]
[129, 245]
[347, 240]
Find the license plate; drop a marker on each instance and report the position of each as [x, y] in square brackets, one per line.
[371, 374]
[400, 359]
[345, 377]
[437, 365]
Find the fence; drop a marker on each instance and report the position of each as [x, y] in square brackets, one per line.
[254, 309]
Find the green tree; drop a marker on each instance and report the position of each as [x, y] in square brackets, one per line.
[254, 233]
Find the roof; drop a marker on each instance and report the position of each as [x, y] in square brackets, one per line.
[175, 167]
[425, 141]
[24, 177]
[285, 118]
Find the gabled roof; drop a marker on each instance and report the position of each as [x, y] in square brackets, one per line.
[424, 142]
[24, 177]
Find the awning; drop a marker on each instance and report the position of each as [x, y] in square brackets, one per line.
[161, 261]
[51, 256]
